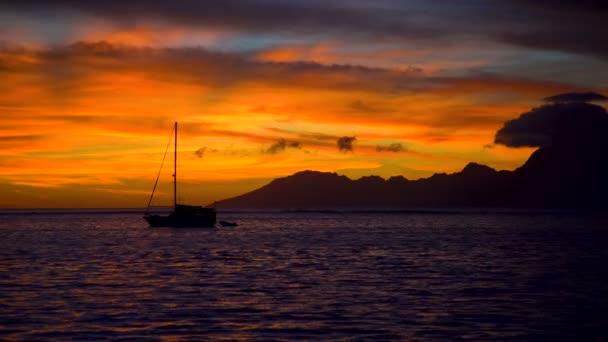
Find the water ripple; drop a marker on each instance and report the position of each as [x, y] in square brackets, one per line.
[318, 276]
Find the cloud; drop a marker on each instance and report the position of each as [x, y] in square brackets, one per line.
[394, 147]
[345, 144]
[200, 152]
[281, 145]
[78, 82]
[255, 16]
[361, 106]
[576, 97]
[23, 142]
[570, 122]
[567, 26]
[67, 66]
[66, 73]
[22, 139]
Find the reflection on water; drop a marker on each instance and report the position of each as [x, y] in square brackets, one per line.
[310, 276]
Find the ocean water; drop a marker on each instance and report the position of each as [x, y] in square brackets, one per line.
[309, 276]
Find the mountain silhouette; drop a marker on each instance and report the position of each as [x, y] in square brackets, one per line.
[534, 185]
[568, 170]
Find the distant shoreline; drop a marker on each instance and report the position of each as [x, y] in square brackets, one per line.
[338, 211]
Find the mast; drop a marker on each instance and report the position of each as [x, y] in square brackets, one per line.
[175, 170]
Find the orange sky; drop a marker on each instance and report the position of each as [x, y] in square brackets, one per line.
[85, 120]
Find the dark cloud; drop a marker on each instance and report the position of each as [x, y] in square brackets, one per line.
[250, 16]
[569, 123]
[569, 41]
[576, 97]
[345, 144]
[281, 145]
[568, 26]
[394, 147]
[66, 65]
[68, 68]
[200, 152]
[564, 7]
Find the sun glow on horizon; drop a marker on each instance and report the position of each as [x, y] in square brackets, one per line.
[89, 96]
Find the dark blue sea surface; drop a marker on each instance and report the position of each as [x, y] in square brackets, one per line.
[311, 276]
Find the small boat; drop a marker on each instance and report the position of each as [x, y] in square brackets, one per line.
[228, 224]
[182, 215]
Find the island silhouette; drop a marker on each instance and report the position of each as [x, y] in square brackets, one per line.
[569, 170]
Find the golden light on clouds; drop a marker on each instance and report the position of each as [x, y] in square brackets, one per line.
[88, 103]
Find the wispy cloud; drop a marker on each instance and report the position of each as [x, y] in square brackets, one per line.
[253, 16]
[281, 145]
[394, 147]
[200, 152]
[567, 26]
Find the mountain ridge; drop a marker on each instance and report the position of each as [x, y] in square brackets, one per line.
[568, 170]
[543, 181]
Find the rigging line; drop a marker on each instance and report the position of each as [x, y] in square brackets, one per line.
[161, 168]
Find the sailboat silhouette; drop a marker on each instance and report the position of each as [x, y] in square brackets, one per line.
[182, 215]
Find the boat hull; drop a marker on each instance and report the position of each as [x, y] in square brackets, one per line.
[198, 221]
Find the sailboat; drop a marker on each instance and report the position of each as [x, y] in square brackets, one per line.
[182, 215]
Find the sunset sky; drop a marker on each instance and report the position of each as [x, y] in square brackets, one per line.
[89, 90]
